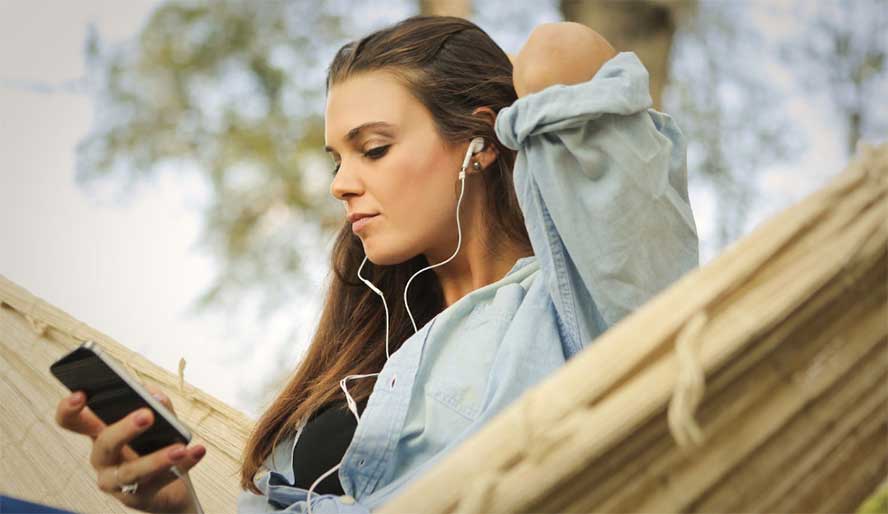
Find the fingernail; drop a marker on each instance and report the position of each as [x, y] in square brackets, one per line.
[177, 453]
[199, 452]
[159, 397]
[76, 399]
[143, 418]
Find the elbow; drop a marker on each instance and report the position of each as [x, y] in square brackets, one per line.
[559, 53]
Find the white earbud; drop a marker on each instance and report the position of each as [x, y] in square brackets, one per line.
[475, 146]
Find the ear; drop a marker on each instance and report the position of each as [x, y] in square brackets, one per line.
[490, 152]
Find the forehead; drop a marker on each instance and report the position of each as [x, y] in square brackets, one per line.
[367, 97]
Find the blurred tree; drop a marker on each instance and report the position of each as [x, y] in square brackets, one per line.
[841, 51]
[233, 90]
[460, 8]
[695, 54]
[645, 27]
[730, 111]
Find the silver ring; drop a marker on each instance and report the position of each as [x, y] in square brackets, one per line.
[125, 488]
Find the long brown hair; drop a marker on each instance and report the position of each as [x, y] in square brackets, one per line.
[452, 67]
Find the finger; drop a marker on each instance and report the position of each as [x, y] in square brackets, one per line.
[150, 485]
[72, 415]
[106, 450]
[164, 476]
[160, 396]
[148, 470]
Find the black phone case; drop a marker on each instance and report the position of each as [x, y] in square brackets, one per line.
[111, 398]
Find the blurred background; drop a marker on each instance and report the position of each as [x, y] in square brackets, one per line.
[163, 177]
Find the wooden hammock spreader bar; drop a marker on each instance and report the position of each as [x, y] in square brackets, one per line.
[44, 463]
[753, 384]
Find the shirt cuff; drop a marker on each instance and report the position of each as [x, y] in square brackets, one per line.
[621, 86]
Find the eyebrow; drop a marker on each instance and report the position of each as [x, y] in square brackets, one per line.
[355, 132]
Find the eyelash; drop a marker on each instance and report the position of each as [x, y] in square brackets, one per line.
[373, 153]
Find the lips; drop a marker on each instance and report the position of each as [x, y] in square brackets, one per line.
[355, 216]
[361, 221]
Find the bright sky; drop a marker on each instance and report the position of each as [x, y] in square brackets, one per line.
[131, 270]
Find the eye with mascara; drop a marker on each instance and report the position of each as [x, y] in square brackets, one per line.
[376, 153]
[373, 153]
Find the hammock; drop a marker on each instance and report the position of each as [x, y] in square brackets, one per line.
[754, 384]
[46, 464]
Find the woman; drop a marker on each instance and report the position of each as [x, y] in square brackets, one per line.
[519, 248]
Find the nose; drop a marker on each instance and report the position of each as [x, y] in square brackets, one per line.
[346, 183]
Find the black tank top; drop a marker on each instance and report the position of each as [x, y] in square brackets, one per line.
[321, 445]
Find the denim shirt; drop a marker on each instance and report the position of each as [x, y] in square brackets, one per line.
[602, 181]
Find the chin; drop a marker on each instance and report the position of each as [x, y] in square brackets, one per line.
[386, 255]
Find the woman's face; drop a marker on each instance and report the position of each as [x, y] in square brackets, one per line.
[398, 169]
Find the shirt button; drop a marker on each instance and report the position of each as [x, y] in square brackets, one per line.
[346, 500]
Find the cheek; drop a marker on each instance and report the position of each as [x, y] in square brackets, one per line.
[419, 202]
[416, 185]
[425, 193]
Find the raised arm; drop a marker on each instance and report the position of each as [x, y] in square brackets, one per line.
[601, 179]
[559, 53]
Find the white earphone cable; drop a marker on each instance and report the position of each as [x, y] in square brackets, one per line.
[384, 304]
[475, 146]
[458, 245]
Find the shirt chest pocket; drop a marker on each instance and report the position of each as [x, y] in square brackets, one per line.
[458, 371]
[460, 397]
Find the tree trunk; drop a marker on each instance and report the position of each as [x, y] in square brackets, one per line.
[460, 8]
[645, 27]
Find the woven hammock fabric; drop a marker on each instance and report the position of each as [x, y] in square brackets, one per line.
[753, 384]
[44, 463]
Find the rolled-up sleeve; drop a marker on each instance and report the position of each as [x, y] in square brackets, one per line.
[602, 181]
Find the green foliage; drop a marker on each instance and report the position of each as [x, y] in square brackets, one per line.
[233, 91]
[841, 53]
[877, 503]
[729, 109]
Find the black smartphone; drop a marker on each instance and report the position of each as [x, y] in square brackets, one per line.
[112, 393]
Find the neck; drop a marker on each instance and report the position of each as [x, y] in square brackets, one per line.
[476, 265]
[460, 277]
[479, 261]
